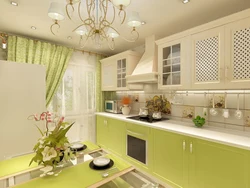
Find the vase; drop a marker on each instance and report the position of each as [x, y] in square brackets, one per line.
[126, 109]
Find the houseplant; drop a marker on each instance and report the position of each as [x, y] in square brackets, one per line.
[53, 147]
[125, 102]
[199, 121]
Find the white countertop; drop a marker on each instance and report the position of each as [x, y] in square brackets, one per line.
[238, 139]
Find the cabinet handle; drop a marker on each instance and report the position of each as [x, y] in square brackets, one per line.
[191, 147]
[134, 133]
[184, 145]
[226, 72]
[105, 122]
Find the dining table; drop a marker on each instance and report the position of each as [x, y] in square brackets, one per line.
[74, 174]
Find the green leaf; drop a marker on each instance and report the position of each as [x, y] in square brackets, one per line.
[39, 130]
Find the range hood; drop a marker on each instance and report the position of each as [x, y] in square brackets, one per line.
[146, 69]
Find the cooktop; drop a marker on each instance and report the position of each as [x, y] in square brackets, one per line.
[148, 119]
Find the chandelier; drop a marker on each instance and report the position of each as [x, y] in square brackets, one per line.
[95, 23]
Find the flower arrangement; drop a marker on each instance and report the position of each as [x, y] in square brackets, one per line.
[126, 100]
[53, 146]
[158, 104]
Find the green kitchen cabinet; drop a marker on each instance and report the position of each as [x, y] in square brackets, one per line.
[213, 165]
[170, 161]
[110, 134]
[186, 162]
[117, 136]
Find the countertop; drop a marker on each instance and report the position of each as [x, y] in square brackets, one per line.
[229, 137]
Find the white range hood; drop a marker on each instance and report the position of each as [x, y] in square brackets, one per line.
[146, 69]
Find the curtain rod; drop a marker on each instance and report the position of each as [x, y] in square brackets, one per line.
[89, 52]
[75, 49]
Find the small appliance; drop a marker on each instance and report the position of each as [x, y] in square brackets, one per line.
[113, 106]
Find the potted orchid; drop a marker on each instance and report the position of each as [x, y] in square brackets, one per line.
[53, 147]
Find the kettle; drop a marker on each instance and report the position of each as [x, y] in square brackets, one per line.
[143, 112]
[156, 115]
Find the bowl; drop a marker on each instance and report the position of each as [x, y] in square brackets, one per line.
[101, 161]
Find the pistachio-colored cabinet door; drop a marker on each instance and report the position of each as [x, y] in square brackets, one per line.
[169, 158]
[213, 165]
[117, 136]
[102, 132]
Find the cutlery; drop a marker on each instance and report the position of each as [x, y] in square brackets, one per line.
[213, 111]
[238, 113]
[225, 113]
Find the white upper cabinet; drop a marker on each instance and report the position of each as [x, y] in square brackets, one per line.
[237, 73]
[207, 59]
[172, 64]
[116, 68]
[215, 55]
[108, 75]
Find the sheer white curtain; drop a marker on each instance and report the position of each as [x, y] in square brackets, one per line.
[75, 98]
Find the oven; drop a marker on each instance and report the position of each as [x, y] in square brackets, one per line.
[137, 144]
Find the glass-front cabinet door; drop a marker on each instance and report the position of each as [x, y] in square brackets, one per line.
[171, 56]
[121, 73]
[171, 65]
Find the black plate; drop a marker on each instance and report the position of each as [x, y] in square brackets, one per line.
[78, 149]
[94, 167]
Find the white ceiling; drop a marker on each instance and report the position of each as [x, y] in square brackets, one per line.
[163, 18]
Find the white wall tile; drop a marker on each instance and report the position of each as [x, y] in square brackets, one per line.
[176, 111]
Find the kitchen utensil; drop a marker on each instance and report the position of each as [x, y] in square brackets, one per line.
[225, 113]
[205, 110]
[143, 112]
[213, 111]
[238, 113]
[156, 115]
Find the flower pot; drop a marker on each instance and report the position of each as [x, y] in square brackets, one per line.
[126, 109]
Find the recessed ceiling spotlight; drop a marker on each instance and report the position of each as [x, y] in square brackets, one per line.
[14, 3]
[69, 37]
[185, 1]
[33, 27]
[143, 23]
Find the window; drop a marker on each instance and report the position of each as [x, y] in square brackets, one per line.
[75, 97]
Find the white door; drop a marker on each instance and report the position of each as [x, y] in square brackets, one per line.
[208, 59]
[238, 54]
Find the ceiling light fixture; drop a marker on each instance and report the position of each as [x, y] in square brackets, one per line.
[185, 1]
[14, 3]
[96, 26]
[33, 27]
[69, 37]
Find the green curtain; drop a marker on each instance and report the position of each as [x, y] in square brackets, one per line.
[55, 58]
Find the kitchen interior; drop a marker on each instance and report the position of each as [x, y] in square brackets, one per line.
[158, 99]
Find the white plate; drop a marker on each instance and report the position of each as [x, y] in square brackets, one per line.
[77, 146]
[101, 161]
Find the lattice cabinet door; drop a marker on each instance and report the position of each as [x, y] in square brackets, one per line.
[172, 65]
[208, 59]
[238, 54]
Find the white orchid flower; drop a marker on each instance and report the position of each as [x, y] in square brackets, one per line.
[48, 153]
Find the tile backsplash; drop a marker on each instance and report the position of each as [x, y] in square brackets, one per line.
[184, 106]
